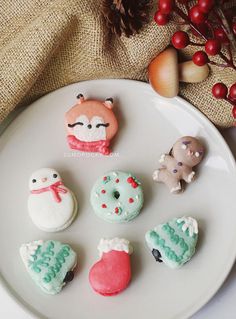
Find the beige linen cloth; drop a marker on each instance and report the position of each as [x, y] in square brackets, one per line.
[47, 44]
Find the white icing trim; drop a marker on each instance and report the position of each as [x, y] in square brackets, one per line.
[28, 250]
[162, 158]
[177, 188]
[190, 177]
[190, 224]
[155, 175]
[119, 244]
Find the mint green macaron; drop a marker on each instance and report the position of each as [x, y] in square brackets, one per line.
[117, 197]
[49, 263]
[174, 242]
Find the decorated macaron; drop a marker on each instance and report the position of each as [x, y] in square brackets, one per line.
[117, 197]
[52, 206]
[50, 264]
[174, 242]
[91, 125]
[177, 166]
[112, 273]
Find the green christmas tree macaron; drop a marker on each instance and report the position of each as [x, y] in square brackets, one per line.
[49, 263]
[173, 242]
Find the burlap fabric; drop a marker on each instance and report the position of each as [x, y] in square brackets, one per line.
[47, 44]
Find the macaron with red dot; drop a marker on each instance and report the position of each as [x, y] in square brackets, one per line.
[117, 197]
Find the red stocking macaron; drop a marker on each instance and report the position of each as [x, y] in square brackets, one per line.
[112, 273]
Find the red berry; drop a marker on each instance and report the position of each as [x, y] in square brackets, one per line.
[232, 92]
[165, 6]
[180, 39]
[104, 206]
[219, 90]
[234, 111]
[103, 191]
[196, 15]
[130, 179]
[117, 180]
[205, 5]
[220, 35]
[200, 58]
[116, 210]
[212, 46]
[131, 200]
[160, 18]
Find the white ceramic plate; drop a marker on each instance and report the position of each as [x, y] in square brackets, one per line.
[149, 125]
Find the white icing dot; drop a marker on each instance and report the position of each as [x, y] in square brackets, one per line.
[137, 196]
[115, 174]
[96, 194]
[197, 154]
[184, 147]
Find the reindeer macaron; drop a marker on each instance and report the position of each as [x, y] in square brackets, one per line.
[91, 124]
[186, 153]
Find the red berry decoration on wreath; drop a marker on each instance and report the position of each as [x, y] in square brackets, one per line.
[211, 22]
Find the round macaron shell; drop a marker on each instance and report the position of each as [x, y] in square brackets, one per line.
[117, 197]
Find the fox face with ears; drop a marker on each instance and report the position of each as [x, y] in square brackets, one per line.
[91, 124]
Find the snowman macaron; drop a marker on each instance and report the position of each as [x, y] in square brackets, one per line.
[52, 206]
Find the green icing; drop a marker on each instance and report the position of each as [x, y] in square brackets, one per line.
[42, 259]
[175, 245]
[119, 209]
[48, 263]
[174, 238]
[106, 179]
[169, 253]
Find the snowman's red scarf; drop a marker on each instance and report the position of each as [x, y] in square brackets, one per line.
[101, 146]
[54, 188]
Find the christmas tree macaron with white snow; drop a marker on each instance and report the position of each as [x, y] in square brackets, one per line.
[112, 273]
[50, 264]
[52, 206]
[173, 242]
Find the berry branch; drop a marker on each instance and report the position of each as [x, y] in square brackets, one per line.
[215, 25]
